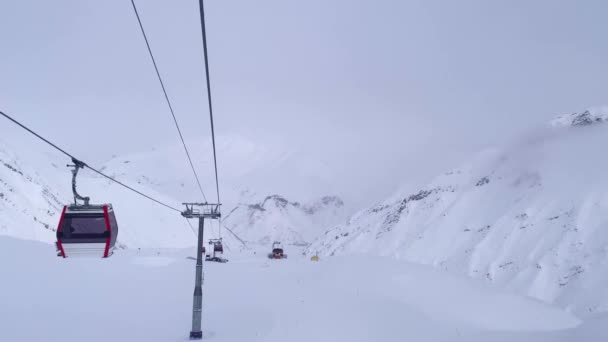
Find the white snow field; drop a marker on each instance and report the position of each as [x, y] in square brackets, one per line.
[147, 295]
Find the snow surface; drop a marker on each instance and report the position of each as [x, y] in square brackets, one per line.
[531, 217]
[146, 295]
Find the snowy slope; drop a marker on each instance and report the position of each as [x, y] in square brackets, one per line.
[147, 296]
[29, 205]
[35, 185]
[267, 193]
[532, 217]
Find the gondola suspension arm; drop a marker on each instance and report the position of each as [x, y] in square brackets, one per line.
[75, 167]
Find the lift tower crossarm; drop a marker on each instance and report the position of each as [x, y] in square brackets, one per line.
[204, 210]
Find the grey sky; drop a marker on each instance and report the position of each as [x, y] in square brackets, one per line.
[387, 92]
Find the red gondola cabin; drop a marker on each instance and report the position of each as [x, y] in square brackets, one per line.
[87, 230]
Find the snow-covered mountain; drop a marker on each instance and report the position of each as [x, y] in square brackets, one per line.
[35, 185]
[532, 217]
[277, 219]
[267, 193]
[29, 204]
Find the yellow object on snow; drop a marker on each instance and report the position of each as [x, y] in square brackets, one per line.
[314, 258]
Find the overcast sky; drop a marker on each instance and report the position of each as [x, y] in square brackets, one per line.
[386, 92]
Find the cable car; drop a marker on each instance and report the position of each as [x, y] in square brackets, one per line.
[218, 247]
[218, 251]
[86, 229]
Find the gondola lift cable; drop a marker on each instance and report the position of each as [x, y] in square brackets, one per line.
[162, 85]
[74, 159]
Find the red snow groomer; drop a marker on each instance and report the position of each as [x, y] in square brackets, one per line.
[277, 251]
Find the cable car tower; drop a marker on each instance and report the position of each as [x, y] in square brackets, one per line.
[201, 211]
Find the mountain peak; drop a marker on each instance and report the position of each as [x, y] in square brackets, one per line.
[588, 117]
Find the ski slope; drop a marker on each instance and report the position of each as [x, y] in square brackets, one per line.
[146, 296]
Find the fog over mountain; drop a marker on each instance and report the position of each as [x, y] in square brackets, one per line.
[384, 93]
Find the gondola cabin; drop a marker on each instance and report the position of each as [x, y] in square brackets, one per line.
[87, 230]
[218, 247]
[218, 250]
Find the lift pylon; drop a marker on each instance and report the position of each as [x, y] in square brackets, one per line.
[201, 211]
